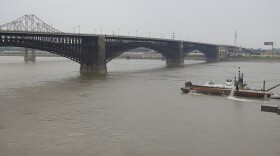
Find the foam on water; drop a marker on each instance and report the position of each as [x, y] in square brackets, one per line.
[238, 99]
[232, 97]
[192, 92]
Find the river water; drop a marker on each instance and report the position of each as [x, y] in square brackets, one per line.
[137, 109]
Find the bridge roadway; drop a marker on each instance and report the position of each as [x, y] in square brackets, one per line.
[93, 52]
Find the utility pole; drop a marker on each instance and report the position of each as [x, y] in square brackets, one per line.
[235, 42]
[173, 35]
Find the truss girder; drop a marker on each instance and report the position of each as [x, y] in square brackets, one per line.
[28, 23]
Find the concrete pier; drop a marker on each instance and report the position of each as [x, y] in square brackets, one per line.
[174, 63]
[99, 66]
[28, 57]
[179, 61]
[93, 69]
[209, 60]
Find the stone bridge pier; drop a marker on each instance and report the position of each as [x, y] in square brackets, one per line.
[178, 56]
[217, 53]
[96, 54]
[28, 56]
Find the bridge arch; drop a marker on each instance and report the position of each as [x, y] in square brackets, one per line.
[113, 52]
[210, 52]
[195, 54]
[53, 51]
[115, 46]
[65, 46]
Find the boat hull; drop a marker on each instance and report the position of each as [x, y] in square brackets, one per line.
[224, 91]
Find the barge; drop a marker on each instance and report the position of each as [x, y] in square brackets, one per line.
[230, 88]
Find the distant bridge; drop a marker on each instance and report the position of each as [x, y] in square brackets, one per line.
[93, 52]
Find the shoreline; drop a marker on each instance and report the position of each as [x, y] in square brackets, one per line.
[252, 59]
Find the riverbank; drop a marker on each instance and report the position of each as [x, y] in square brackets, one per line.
[252, 59]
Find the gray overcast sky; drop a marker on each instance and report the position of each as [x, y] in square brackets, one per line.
[211, 21]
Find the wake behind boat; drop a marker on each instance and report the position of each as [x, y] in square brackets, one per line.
[230, 87]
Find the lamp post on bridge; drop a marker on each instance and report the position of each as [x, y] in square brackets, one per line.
[73, 29]
[79, 29]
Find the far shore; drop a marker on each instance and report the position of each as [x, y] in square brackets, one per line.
[252, 58]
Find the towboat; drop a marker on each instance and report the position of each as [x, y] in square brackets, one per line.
[230, 87]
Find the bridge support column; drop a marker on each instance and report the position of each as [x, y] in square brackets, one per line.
[100, 65]
[209, 60]
[101, 61]
[213, 54]
[179, 61]
[174, 63]
[92, 69]
[28, 57]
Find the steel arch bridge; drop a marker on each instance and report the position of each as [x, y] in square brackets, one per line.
[93, 52]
